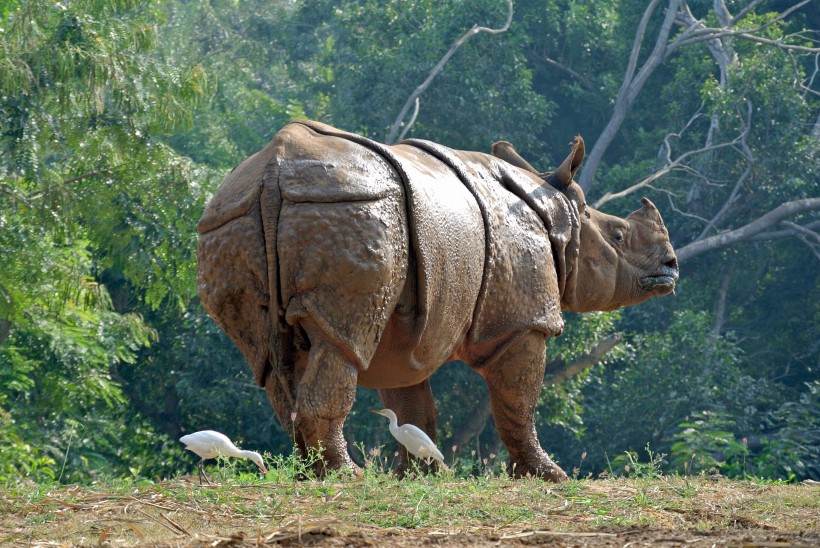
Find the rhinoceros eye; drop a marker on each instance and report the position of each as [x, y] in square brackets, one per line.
[618, 236]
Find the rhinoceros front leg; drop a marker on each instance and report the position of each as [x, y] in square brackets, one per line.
[514, 382]
[325, 395]
[414, 405]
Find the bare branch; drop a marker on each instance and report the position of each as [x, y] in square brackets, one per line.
[694, 31]
[809, 234]
[391, 137]
[669, 165]
[716, 48]
[636, 45]
[721, 11]
[750, 161]
[744, 12]
[708, 33]
[411, 122]
[757, 226]
[711, 34]
[812, 246]
[808, 88]
[780, 17]
[586, 82]
[566, 371]
[684, 213]
[778, 234]
[631, 87]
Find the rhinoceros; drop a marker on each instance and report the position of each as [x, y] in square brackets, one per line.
[332, 260]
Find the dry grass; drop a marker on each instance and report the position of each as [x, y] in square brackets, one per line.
[380, 510]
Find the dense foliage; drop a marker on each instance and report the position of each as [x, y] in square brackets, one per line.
[119, 118]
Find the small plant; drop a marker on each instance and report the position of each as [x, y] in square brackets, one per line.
[707, 442]
[577, 470]
[633, 467]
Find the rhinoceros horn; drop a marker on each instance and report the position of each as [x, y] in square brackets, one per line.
[648, 211]
[562, 177]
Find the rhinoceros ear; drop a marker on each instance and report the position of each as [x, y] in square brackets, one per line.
[562, 177]
[505, 151]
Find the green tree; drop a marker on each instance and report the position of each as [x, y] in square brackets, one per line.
[95, 224]
[362, 60]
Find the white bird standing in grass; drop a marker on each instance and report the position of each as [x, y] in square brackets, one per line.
[209, 445]
[412, 438]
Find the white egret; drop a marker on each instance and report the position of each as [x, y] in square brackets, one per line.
[412, 438]
[209, 445]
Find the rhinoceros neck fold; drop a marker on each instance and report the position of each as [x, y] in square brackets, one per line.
[560, 217]
[449, 158]
[558, 213]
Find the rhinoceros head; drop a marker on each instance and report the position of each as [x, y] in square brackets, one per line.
[620, 262]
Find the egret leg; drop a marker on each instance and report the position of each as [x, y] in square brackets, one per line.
[202, 473]
[414, 405]
[514, 382]
[325, 395]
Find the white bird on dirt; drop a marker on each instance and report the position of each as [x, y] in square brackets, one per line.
[413, 438]
[209, 445]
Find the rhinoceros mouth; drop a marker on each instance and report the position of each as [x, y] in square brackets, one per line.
[662, 282]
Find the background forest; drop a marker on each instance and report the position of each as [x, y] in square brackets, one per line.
[119, 118]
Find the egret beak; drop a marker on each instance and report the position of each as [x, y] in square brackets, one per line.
[263, 469]
[377, 411]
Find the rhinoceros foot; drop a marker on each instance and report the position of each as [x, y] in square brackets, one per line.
[539, 467]
[340, 463]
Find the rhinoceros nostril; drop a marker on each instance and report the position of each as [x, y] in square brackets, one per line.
[670, 268]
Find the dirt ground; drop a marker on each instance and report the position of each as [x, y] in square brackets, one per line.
[353, 537]
[328, 536]
[606, 513]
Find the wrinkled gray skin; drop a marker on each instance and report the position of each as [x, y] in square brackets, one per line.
[331, 261]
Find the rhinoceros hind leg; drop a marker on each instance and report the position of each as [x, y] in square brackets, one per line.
[514, 382]
[414, 405]
[325, 395]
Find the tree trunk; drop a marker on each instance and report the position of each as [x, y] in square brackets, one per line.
[560, 371]
[5, 329]
[631, 87]
[720, 300]
[469, 428]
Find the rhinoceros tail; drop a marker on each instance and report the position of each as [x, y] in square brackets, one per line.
[270, 202]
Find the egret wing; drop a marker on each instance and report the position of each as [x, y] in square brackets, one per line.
[418, 443]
